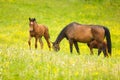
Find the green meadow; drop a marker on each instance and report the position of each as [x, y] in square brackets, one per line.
[17, 62]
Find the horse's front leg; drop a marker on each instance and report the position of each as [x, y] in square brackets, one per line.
[36, 42]
[71, 45]
[29, 42]
[76, 46]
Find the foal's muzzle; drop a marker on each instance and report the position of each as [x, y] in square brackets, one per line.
[30, 31]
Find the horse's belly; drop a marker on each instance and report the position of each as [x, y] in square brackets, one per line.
[83, 38]
[80, 33]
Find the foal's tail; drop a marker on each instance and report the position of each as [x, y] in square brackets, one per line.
[108, 38]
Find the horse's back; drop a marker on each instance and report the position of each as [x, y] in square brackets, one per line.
[79, 32]
[98, 32]
[84, 33]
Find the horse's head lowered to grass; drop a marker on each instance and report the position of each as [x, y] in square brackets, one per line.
[75, 32]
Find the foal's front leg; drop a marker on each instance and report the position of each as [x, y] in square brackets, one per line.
[99, 51]
[91, 51]
[36, 42]
[29, 42]
[100, 46]
[90, 45]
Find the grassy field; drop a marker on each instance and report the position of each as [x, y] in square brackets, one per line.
[17, 62]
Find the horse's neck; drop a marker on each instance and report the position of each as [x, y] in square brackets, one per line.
[60, 38]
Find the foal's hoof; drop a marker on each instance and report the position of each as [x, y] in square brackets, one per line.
[91, 54]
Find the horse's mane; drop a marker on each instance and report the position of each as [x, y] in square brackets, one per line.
[62, 33]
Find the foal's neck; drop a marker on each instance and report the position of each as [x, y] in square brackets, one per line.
[35, 24]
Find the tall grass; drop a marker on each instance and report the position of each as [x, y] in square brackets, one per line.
[37, 65]
[17, 62]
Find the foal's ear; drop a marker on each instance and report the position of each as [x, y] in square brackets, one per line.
[29, 18]
[34, 19]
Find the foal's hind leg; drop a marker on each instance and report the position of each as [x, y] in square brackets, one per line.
[48, 42]
[41, 43]
[47, 37]
[105, 51]
[102, 48]
[76, 46]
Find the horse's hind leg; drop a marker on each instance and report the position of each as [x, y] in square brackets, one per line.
[76, 46]
[29, 42]
[41, 43]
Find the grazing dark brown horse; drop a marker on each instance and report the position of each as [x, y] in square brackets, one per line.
[95, 44]
[37, 31]
[75, 32]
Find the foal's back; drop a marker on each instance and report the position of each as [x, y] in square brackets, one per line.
[41, 30]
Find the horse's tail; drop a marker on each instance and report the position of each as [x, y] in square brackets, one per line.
[108, 38]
